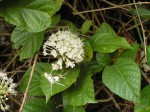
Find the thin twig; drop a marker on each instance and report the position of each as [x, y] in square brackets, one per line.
[7, 34]
[145, 77]
[82, 4]
[14, 100]
[114, 5]
[94, 14]
[143, 31]
[75, 10]
[104, 100]
[112, 98]
[108, 8]
[123, 26]
[101, 13]
[103, 109]
[26, 92]
[10, 62]
[138, 31]
[99, 89]
[16, 72]
[74, 5]
[134, 26]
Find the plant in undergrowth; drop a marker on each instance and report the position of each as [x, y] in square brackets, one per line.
[70, 74]
[73, 60]
[7, 88]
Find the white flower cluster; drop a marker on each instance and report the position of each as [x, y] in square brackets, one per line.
[7, 87]
[66, 47]
[53, 79]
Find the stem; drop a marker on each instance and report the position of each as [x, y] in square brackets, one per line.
[119, 6]
[104, 100]
[10, 63]
[143, 31]
[26, 92]
[136, 25]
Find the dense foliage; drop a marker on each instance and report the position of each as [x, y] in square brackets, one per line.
[69, 87]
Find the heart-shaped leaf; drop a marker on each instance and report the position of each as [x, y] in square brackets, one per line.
[29, 41]
[81, 93]
[33, 15]
[86, 26]
[105, 40]
[107, 43]
[144, 105]
[68, 77]
[39, 105]
[124, 79]
[105, 28]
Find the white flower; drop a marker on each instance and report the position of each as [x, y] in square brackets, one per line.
[54, 79]
[54, 53]
[69, 63]
[7, 87]
[66, 46]
[2, 74]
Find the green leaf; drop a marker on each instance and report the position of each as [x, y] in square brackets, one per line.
[131, 53]
[30, 42]
[107, 43]
[52, 6]
[34, 88]
[105, 28]
[144, 105]
[148, 55]
[33, 15]
[86, 26]
[144, 13]
[81, 93]
[70, 108]
[103, 59]
[70, 76]
[39, 105]
[55, 20]
[71, 25]
[94, 67]
[124, 79]
[88, 52]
